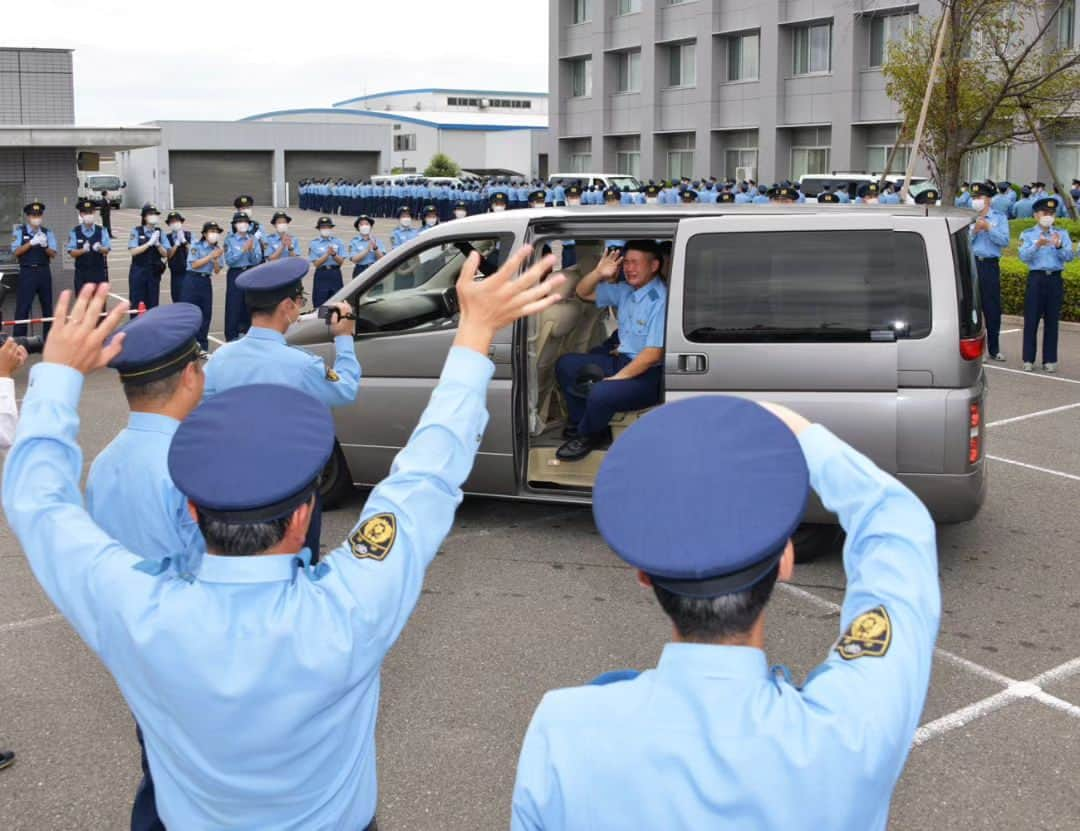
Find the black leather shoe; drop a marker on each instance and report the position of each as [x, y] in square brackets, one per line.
[580, 447]
[569, 432]
[7, 758]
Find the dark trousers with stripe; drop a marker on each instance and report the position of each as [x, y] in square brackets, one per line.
[144, 286]
[606, 398]
[328, 282]
[237, 316]
[198, 291]
[34, 281]
[1042, 302]
[990, 292]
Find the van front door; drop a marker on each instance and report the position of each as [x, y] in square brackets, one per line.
[802, 311]
[406, 322]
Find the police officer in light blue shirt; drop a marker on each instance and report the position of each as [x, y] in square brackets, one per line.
[327, 254]
[256, 682]
[149, 247]
[630, 378]
[364, 249]
[1045, 248]
[405, 230]
[89, 244]
[129, 492]
[701, 498]
[205, 257]
[281, 243]
[242, 251]
[989, 236]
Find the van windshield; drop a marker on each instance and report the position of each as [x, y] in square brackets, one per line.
[806, 287]
[103, 182]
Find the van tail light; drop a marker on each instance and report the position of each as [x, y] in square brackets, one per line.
[971, 349]
[975, 419]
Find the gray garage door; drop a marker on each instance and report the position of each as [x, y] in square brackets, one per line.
[304, 164]
[205, 178]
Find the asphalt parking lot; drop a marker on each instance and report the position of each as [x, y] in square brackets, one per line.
[525, 597]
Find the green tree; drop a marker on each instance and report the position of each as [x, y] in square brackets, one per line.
[442, 165]
[1006, 70]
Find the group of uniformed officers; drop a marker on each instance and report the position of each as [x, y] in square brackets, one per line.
[251, 661]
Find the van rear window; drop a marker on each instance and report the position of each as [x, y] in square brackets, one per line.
[967, 285]
[806, 287]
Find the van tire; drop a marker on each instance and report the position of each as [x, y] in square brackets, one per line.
[814, 541]
[336, 483]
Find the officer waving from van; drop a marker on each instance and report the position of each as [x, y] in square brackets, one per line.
[629, 377]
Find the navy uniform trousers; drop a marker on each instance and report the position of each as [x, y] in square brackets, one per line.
[328, 282]
[35, 280]
[197, 290]
[606, 398]
[990, 292]
[237, 316]
[1042, 301]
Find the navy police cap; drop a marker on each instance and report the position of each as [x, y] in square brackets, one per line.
[158, 344]
[981, 189]
[234, 473]
[703, 494]
[930, 196]
[274, 276]
[1047, 203]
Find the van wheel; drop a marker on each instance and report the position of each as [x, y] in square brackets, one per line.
[336, 483]
[813, 541]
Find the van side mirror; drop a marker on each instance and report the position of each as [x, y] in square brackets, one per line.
[86, 184]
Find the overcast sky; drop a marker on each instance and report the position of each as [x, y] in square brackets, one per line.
[220, 60]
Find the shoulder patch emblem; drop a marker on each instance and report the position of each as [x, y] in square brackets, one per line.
[374, 538]
[331, 375]
[869, 636]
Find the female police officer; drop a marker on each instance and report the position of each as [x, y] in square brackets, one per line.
[148, 247]
[204, 260]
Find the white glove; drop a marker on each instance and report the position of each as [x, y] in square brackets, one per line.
[40, 239]
[333, 249]
[86, 246]
[97, 246]
[258, 235]
[154, 237]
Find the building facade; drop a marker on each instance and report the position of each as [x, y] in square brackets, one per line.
[39, 142]
[484, 131]
[762, 89]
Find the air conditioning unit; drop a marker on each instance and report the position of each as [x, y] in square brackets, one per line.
[745, 174]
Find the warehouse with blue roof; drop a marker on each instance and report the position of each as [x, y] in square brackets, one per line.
[204, 163]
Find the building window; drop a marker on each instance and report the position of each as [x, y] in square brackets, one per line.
[680, 157]
[580, 11]
[809, 161]
[1066, 25]
[404, 142]
[988, 163]
[578, 155]
[742, 58]
[581, 78]
[1067, 161]
[628, 156]
[628, 7]
[628, 71]
[812, 49]
[740, 163]
[682, 68]
[877, 155]
[885, 29]
[580, 162]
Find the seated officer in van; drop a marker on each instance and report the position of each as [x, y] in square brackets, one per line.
[597, 386]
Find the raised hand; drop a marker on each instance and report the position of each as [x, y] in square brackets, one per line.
[77, 339]
[609, 265]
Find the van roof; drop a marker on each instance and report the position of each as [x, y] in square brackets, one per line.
[720, 209]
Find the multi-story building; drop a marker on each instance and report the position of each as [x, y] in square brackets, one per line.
[763, 89]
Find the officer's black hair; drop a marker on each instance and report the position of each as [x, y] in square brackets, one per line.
[157, 392]
[242, 539]
[715, 619]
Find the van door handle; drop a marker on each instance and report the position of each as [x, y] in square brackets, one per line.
[693, 364]
[499, 353]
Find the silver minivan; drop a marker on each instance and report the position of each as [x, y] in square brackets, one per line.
[863, 318]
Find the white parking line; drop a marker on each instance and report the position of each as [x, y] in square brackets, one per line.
[1036, 468]
[1041, 376]
[30, 624]
[1033, 415]
[1009, 331]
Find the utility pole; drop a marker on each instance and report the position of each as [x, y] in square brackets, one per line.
[943, 26]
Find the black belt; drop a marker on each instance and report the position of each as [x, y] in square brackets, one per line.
[987, 259]
[329, 268]
[33, 265]
[1044, 271]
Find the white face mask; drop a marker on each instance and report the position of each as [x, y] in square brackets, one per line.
[406, 222]
[431, 221]
[87, 219]
[460, 214]
[242, 227]
[978, 204]
[212, 237]
[573, 203]
[364, 230]
[282, 227]
[325, 232]
[249, 212]
[176, 226]
[652, 200]
[498, 209]
[1046, 221]
[152, 219]
[35, 222]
